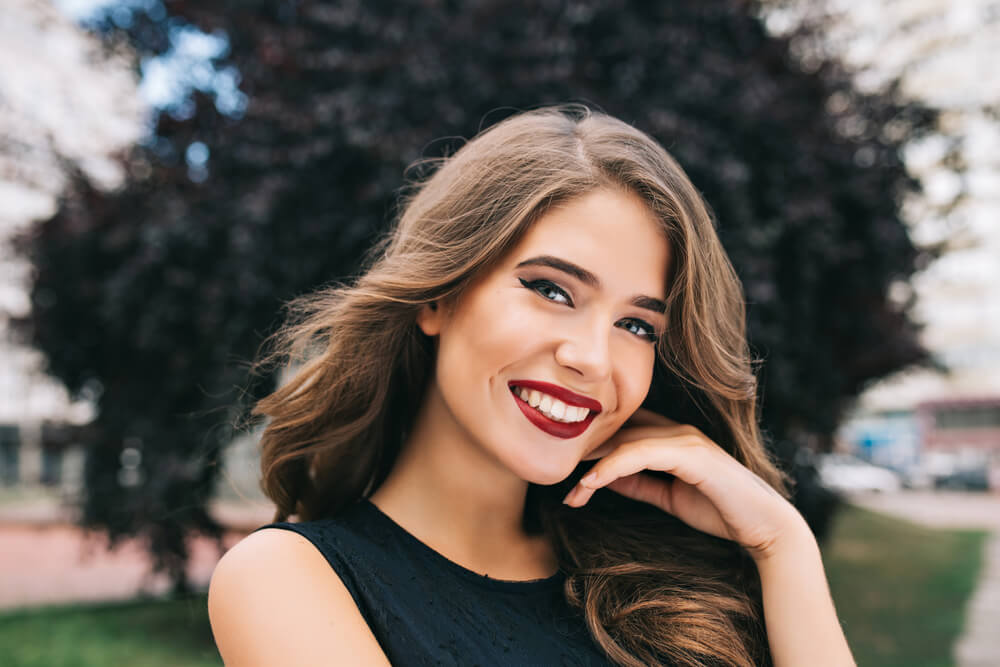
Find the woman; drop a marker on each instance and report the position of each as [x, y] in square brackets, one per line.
[553, 301]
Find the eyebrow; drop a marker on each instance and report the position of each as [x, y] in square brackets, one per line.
[591, 280]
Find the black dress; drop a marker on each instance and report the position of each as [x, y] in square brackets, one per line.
[427, 610]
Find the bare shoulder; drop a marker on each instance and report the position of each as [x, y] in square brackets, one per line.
[274, 599]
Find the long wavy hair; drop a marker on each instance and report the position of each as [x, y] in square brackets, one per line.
[652, 590]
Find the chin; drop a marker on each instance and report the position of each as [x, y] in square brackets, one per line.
[547, 476]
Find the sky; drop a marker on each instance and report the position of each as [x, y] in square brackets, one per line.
[168, 79]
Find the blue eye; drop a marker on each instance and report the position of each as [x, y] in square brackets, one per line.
[548, 290]
[639, 328]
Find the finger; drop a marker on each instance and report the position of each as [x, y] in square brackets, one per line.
[663, 427]
[628, 434]
[631, 433]
[682, 456]
[638, 486]
[644, 488]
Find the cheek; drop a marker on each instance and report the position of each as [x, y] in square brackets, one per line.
[497, 326]
[484, 337]
[634, 377]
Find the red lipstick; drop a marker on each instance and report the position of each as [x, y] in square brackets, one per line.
[551, 426]
[565, 395]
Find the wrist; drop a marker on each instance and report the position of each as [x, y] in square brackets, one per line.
[794, 540]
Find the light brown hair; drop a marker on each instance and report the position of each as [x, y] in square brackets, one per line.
[652, 589]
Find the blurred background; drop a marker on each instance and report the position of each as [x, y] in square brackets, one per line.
[172, 172]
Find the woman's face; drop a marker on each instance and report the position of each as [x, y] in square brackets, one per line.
[546, 355]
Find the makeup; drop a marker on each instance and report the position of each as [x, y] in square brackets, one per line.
[565, 395]
[558, 429]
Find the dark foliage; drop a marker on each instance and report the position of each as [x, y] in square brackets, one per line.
[155, 297]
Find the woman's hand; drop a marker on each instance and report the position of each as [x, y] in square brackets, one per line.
[710, 491]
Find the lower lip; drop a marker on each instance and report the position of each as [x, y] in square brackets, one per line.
[551, 426]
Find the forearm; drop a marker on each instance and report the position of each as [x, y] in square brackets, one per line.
[802, 624]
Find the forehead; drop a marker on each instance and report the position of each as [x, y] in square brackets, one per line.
[611, 233]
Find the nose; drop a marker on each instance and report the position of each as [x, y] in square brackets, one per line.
[586, 348]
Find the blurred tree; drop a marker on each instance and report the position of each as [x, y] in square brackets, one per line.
[155, 296]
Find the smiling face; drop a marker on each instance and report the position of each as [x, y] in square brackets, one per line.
[545, 356]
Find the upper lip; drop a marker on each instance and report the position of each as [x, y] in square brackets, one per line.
[565, 395]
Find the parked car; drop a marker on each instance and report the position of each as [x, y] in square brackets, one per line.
[967, 479]
[949, 470]
[846, 473]
[916, 475]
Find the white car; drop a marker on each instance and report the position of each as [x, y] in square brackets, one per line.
[845, 473]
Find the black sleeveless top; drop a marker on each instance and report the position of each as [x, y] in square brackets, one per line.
[427, 610]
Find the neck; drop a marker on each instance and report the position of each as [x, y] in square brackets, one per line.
[453, 496]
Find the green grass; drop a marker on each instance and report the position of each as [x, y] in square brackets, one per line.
[152, 633]
[900, 589]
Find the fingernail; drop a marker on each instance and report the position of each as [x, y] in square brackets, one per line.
[589, 479]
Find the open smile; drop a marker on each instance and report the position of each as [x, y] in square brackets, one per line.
[556, 411]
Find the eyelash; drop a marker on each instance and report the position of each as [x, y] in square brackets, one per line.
[538, 286]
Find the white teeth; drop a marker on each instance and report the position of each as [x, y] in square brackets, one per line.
[551, 407]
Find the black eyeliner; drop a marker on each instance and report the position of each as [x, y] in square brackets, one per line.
[533, 285]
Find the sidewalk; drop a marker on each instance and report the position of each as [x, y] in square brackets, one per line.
[979, 645]
[46, 559]
[47, 510]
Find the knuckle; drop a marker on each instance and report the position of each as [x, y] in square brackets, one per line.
[692, 431]
[643, 448]
[692, 442]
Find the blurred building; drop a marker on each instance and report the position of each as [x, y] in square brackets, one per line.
[64, 102]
